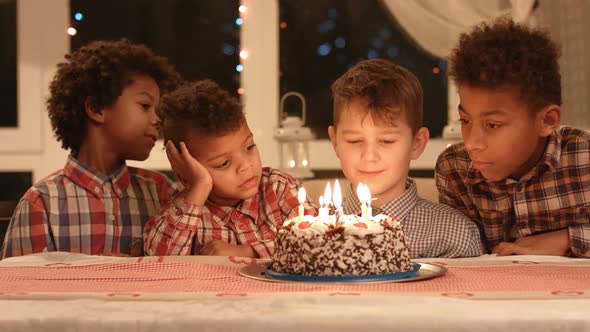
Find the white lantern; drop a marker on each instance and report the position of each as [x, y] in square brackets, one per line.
[293, 138]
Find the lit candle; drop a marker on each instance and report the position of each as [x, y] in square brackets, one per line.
[301, 197]
[337, 200]
[369, 199]
[360, 192]
[324, 212]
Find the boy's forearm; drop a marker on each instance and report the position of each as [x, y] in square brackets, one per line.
[173, 231]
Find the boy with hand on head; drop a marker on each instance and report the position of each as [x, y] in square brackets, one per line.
[377, 132]
[103, 109]
[521, 177]
[233, 206]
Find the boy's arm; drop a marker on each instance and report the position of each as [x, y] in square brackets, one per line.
[28, 231]
[173, 232]
[556, 243]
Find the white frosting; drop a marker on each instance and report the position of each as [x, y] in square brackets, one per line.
[352, 224]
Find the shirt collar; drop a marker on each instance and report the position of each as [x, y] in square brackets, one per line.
[548, 162]
[397, 208]
[94, 181]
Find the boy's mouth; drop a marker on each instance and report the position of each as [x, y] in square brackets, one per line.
[370, 173]
[481, 165]
[250, 183]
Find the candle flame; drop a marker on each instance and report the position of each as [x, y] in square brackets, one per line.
[328, 194]
[337, 199]
[368, 197]
[321, 201]
[301, 195]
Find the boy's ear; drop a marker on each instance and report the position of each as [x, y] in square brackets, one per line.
[419, 143]
[93, 114]
[548, 119]
[332, 134]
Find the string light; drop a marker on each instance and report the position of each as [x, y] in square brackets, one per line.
[241, 91]
[79, 16]
[244, 54]
[239, 21]
[242, 9]
[72, 31]
[239, 68]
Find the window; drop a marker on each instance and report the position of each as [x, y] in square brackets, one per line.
[321, 39]
[201, 38]
[8, 110]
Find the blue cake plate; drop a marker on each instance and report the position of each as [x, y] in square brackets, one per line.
[414, 272]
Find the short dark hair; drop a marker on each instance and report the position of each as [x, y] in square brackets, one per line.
[200, 107]
[98, 72]
[389, 90]
[504, 54]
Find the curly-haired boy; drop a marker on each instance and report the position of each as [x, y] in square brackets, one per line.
[521, 177]
[102, 107]
[234, 206]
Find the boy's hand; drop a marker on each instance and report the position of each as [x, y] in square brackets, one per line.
[190, 172]
[552, 243]
[222, 248]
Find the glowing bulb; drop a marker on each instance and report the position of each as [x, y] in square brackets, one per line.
[72, 31]
[243, 54]
[239, 21]
[292, 163]
[239, 68]
[241, 91]
[304, 162]
[79, 16]
[242, 9]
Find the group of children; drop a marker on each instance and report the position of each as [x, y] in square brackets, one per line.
[517, 184]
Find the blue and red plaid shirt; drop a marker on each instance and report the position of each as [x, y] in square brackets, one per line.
[254, 221]
[553, 195]
[80, 210]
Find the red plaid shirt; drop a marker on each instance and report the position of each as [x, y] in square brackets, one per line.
[254, 221]
[553, 195]
[79, 210]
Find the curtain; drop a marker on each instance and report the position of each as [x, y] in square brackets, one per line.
[436, 25]
[569, 24]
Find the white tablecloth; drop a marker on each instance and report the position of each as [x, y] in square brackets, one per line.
[333, 310]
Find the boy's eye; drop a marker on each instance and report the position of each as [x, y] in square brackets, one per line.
[224, 164]
[493, 125]
[385, 141]
[145, 106]
[464, 121]
[250, 147]
[353, 141]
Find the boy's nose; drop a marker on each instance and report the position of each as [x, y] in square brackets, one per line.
[245, 165]
[369, 152]
[474, 139]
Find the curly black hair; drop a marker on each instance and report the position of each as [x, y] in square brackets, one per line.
[98, 72]
[389, 90]
[201, 107]
[504, 54]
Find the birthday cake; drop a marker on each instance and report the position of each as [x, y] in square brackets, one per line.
[355, 246]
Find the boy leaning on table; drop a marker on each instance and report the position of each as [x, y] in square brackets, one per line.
[102, 107]
[239, 205]
[377, 132]
[521, 177]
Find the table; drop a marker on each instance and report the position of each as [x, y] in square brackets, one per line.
[63, 292]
